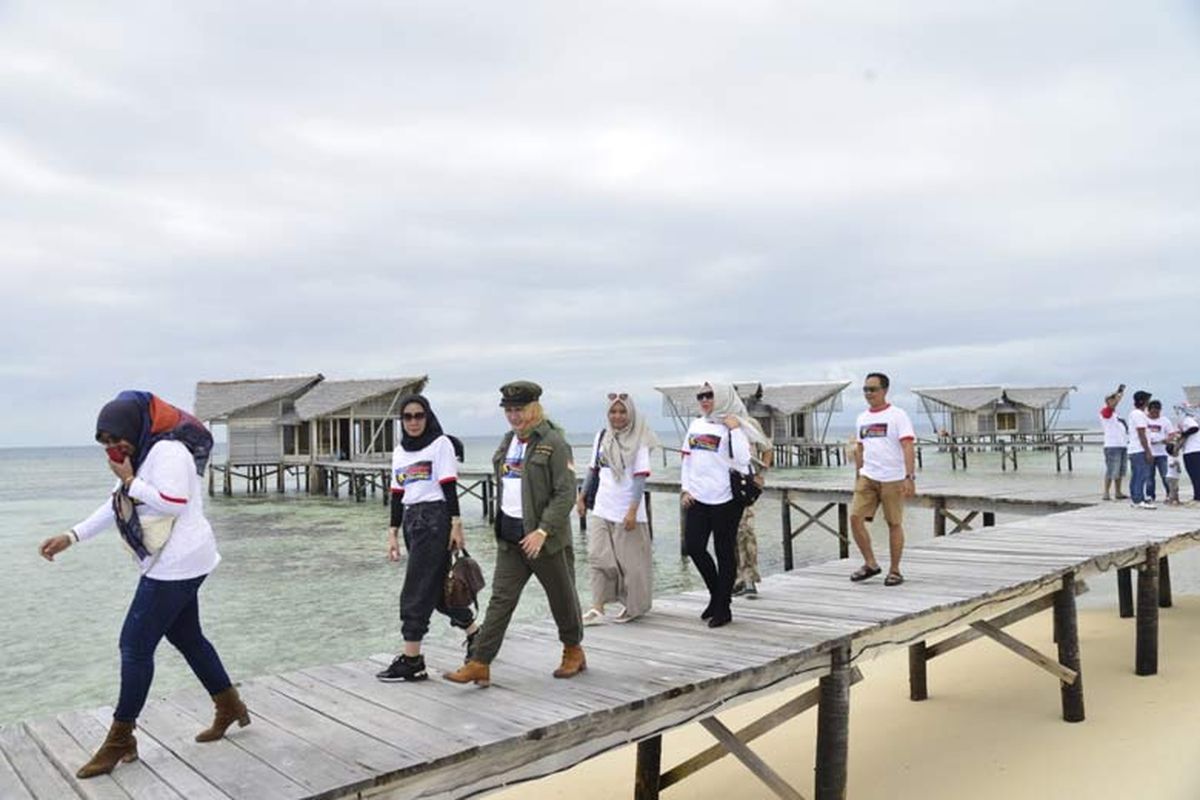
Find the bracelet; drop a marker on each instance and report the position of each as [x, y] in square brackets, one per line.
[910, 477]
[74, 535]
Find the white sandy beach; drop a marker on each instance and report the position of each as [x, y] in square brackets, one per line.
[991, 728]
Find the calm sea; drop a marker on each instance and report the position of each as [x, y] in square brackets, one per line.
[303, 580]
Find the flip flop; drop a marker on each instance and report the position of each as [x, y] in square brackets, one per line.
[864, 572]
[893, 579]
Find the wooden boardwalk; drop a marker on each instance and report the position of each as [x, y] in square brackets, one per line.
[334, 731]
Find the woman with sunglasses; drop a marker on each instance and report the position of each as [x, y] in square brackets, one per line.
[157, 453]
[620, 554]
[716, 442]
[425, 504]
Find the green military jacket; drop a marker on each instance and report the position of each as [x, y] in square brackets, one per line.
[547, 486]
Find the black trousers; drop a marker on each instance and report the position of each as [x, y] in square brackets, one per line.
[427, 540]
[721, 523]
[1191, 462]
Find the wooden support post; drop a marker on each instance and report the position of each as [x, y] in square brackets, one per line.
[280, 479]
[989, 519]
[833, 727]
[843, 530]
[917, 659]
[1164, 583]
[785, 513]
[649, 768]
[227, 480]
[1125, 592]
[1066, 628]
[1146, 654]
[212, 477]
[649, 514]
[683, 531]
[939, 517]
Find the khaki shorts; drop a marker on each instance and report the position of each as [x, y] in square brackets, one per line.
[868, 494]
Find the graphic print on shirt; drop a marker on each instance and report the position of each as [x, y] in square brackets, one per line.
[514, 464]
[873, 430]
[412, 473]
[704, 441]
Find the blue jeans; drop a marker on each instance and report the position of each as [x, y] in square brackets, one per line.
[170, 609]
[1139, 476]
[1159, 466]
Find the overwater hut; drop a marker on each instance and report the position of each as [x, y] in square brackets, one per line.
[795, 415]
[349, 420]
[254, 412]
[1192, 394]
[989, 411]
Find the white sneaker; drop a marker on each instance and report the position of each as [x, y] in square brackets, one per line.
[593, 617]
[1149, 506]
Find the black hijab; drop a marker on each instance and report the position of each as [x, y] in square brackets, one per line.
[433, 428]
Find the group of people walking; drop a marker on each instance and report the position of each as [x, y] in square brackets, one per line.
[1153, 445]
[158, 453]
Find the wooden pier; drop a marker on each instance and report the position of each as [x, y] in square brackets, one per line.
[335, 731]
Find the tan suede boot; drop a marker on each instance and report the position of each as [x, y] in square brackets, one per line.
[230, 709]
[573, 662]
[119, 748]
[471, 672]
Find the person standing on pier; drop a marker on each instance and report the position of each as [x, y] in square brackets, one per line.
[1141, 459]
[885, 474]
[1189, 447]
[157, 453]
[1116, 436]
[425, 504]
[1160, 430]
[716, 442]
[620, 553]
[535, 491]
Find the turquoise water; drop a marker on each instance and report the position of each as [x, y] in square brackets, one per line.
[303, 580]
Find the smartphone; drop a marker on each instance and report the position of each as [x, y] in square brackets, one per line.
[115, 454]
[1120, 388]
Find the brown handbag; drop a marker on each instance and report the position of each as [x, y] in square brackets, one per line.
[463, 581]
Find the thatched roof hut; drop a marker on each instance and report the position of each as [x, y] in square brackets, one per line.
[989, 410]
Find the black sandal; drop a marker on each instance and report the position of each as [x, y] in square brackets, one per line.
[893, 579]
[864, 572]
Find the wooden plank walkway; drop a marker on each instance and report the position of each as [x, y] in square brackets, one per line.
[334, 731]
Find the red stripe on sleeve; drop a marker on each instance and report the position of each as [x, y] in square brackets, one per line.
[181, 500]
[397, 491]
[452, 479]
[907, 438]
[641, 474]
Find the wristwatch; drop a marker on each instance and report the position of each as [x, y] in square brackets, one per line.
[910, 477]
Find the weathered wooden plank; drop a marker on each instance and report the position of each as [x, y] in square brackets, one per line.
[37, 773]
[1025, 651]
[61, 748]
[750, 759]
[11, 785]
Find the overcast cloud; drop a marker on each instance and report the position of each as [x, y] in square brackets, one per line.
[592, 196]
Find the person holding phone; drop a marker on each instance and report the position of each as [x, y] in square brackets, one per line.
[1116, 437]
[424, 493]
[157, 453]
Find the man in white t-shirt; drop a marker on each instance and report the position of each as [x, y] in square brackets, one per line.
[1159, 430]
[1116, 437]
[885, 474]
[1141, 460]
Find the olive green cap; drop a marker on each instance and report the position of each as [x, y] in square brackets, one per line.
[519, 393]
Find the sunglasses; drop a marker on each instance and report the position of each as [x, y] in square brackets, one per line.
[618, 396]
[409, 417]
[872, 389]
[704, 396]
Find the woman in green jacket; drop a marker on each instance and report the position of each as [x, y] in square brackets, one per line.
[535, 492]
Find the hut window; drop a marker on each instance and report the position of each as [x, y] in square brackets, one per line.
[303, 437]
[796, 426]
[289, 440]
[1006, 421]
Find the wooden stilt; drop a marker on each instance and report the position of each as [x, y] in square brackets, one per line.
[649, 768]
[1164, 583]
[1067, 629]
[939, 517]
[989, 519]
[833, 727]
[785, 519]
[280, 479]
[917, 659]
[649, 514]
[843, 530]
[1125, 592]
[1146, 655]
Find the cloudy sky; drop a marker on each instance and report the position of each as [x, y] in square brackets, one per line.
[593, 195]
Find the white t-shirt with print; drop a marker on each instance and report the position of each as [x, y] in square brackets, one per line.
[1115, 434]
[880, 434]
[614, 497]
[1137, 419]
[419, 475]
[1192, 443]
[1157, 431]
[510, 478]
[704, 471]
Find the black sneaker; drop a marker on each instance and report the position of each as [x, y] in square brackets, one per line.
[404, 668]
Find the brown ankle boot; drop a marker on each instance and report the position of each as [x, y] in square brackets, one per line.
[230, 709]
[119, 748]
[573, 662]
[471, 672]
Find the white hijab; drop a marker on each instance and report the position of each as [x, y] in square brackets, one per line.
[620, 447]
[726, 403]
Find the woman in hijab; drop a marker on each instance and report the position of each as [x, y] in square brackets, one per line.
[158, 454]
[425, 503]
[620, 554]
[716, 442]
